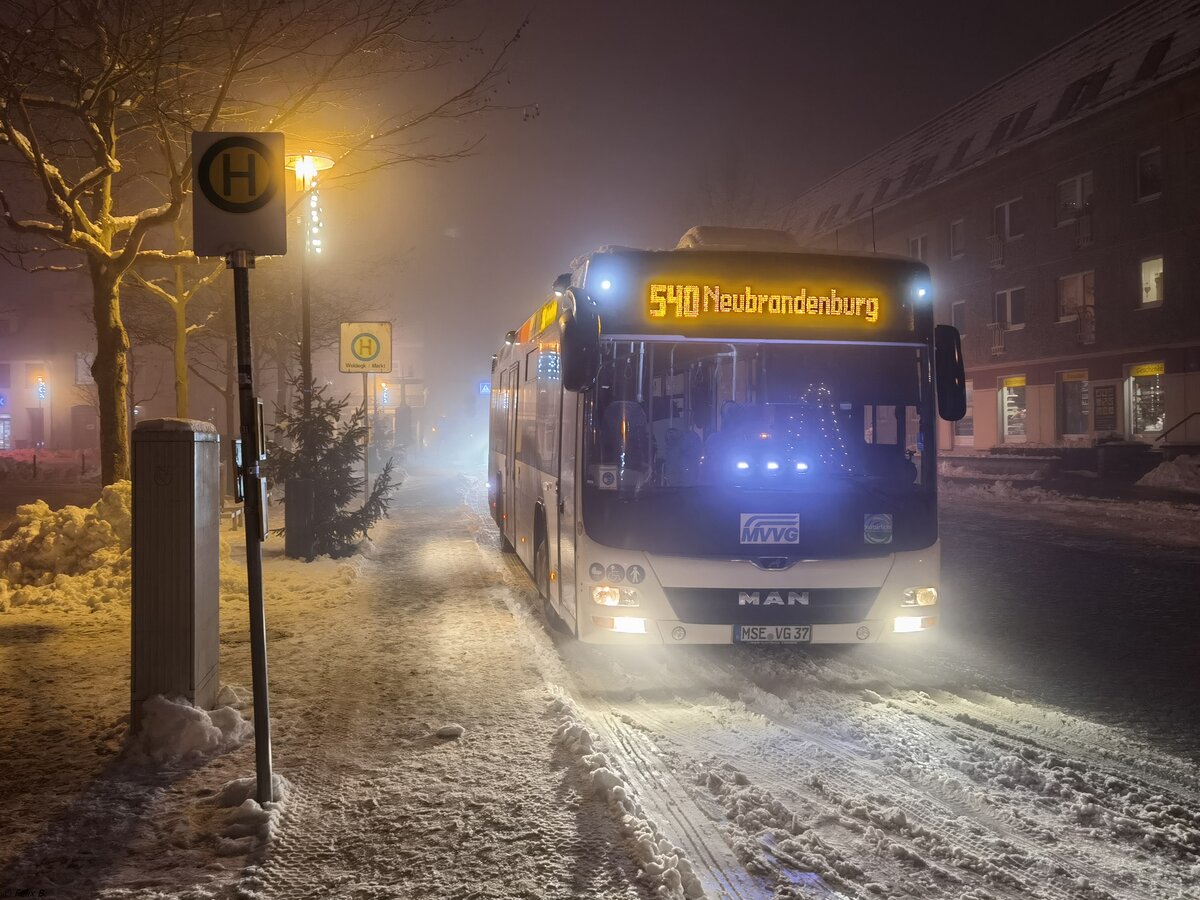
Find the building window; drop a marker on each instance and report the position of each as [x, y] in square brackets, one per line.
[1008, 220]
[958, 244]
[958, 316]
[1012, 409]
[5, 375]
[1152, 281]
[1073, 404]
[1074, 293]
[918, 247]
[1149, 174]
[1147, 400]
[1074, 198]
[964, 428]
[1010, 308]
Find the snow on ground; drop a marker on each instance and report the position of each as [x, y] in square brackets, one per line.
[1181, 473]
[432, 739]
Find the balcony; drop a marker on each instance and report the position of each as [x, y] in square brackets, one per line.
[995, 251]
[997, 330]
[1085, 325]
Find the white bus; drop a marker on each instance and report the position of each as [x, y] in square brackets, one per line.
[715, 445]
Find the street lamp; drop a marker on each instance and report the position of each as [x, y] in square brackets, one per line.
[308, 167]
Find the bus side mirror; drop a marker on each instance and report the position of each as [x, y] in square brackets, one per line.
[949, 373]
[580, 350]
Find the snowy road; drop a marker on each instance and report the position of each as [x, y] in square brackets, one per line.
[1019, 759]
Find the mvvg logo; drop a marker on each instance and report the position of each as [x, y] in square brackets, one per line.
[770, 528]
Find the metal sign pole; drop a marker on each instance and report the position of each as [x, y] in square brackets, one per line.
[254, 515]
[366, 445]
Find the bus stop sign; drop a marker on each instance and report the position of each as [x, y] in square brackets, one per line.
[238, 199]
[366, 347]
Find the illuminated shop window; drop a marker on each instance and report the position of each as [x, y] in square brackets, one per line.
[1147, 398]
[1013, 409]
[964, 428]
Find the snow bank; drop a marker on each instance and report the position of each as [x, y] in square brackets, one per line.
[663, 866]
[1181, 474]
[72, 558]
[242, 823]
[175, 732]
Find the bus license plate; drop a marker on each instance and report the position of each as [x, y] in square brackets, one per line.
[772, 634]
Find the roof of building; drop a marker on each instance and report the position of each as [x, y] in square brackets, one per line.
[1131, 51]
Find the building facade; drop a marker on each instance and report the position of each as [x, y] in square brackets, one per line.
[1059, 213]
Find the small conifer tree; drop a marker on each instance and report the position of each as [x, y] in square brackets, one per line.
[318, 446]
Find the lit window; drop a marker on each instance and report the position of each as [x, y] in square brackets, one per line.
[957, 238]
[1013, 409]
[964, 428]
[1073, 403]
[1149, 174]
[1074, 198]
[1147, 398]
[1075, 292]
[1152, 281]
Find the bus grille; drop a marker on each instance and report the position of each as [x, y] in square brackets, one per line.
[730, 606]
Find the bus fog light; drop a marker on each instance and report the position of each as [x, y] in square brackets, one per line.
[621, 624]
[922, 596]
[908, 624]
[607, 595]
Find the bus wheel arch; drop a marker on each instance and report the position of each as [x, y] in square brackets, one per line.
[541, 571]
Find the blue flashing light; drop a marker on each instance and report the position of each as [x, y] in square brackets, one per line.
[742, 464]
[772, 465]
[801, 467]
[605, 285]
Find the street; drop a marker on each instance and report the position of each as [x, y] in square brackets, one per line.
[1018, 759]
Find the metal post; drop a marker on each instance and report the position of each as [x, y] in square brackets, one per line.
[306, 375]
[241, 262]
[366, 445]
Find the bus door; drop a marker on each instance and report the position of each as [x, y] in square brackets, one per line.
[568, 462]
[508, 476]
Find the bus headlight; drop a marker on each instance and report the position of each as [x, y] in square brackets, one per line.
[922, 596]
[607, 595]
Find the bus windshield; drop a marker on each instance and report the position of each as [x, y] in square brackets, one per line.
[668, 416]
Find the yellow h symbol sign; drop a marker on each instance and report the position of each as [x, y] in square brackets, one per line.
[365, 347]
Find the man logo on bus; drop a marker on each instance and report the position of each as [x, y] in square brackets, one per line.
[770, 528]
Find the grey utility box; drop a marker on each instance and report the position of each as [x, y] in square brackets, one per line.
[176, 559]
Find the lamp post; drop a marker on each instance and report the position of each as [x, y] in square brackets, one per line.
[308, 167]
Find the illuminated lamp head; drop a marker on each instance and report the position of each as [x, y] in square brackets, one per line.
[742, 465]
[561, 283]
[606, 285]
[801, 467]
[772, 465]
[922, 292]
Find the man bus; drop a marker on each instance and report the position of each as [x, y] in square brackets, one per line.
[716, 444]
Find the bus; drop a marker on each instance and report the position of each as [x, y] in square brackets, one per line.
[729, 442]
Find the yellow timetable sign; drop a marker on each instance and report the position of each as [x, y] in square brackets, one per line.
[366, 347]
[1155, 368]
[1014, 381]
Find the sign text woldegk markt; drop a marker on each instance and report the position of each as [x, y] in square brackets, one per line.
[366, 347]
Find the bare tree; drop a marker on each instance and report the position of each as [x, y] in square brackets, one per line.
[98, 99]
[729, 192]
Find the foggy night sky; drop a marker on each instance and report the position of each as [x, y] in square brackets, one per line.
[636, 100]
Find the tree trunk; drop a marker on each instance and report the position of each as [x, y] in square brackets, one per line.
[109, 370]
[181, 362]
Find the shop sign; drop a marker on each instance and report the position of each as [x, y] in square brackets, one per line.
[1014, 381]
[1144, 369]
